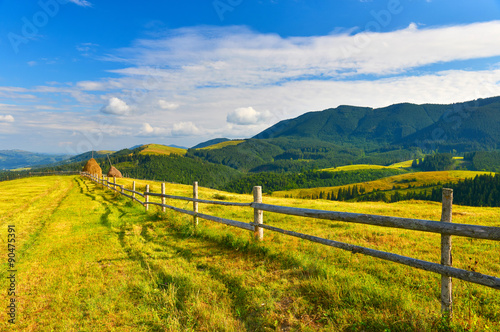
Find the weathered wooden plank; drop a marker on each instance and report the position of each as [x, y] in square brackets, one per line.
[200, 200]
[126, 195]
[465, 275]
[136, 192]
[229, 222]
[479, 232]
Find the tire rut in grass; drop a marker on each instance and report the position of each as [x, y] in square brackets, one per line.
[44, 218]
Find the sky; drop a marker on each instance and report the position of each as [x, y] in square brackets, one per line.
[80, 75]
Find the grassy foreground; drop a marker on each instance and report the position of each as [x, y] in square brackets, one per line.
[91, 260]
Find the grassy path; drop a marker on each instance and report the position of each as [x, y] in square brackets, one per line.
[74, 273]
[91, 260]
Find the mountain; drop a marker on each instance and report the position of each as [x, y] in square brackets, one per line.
[12, 159]
[461, 126]
[151, 161]
[81, 157]
[210, 142]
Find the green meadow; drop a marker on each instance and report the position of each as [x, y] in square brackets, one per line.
[89, 259]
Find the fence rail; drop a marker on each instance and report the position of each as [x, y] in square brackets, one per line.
[444, 227]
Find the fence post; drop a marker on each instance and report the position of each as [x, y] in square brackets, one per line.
[133, 188]
[114, 182]
[446, 259]
[195, 204]
[163, 209]
[258, 215]
[146, 197]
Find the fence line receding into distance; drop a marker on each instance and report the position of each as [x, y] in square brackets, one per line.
[445, 227]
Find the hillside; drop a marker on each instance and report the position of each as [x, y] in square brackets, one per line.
[210, 142]
[220, 145]
[402, 181]
[158, 149]
[155, 162]
[292, 154]
[90, 260]
[461, 126]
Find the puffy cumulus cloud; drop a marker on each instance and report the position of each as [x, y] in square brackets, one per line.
[149, 130]
[6, 118]
[116, 106]
[185, 129]
[247, 116]
[167, 105]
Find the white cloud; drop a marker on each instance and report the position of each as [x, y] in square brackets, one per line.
[246, 116]
[147, 129]
[6, 118]
[150, 131]
[81, 3]
[91, 86]
[116, 106]
[234, 56]
[213, 72]
[185, 129]
[32, 63]
[167, 105]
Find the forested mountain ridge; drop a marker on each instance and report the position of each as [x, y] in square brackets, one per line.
[461, 126]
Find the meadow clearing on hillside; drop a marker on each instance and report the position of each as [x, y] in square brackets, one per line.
[92, 260]
[417, 179]
[357, 167]
[158, 149]
[222, 144]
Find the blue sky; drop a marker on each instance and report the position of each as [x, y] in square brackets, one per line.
[77, 75]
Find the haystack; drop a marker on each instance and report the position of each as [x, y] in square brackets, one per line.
[114, 173]
[92, 167]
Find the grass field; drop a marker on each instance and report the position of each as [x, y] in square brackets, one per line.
[222, 144]
[158, 149]
[402, 181]
[403, 164]
[357, 167]
[91, 260]
[354, 168]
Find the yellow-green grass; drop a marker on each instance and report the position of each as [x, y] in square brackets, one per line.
[20, 169]
[95, 261]
[417, 179]
[223, 144]
[125, 164]
[158, 149]
[403, 164]
[105, 152]
[354, 168]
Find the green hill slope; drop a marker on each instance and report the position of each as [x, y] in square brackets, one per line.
[473, 124]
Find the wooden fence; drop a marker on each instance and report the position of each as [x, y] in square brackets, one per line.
[445, 227]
